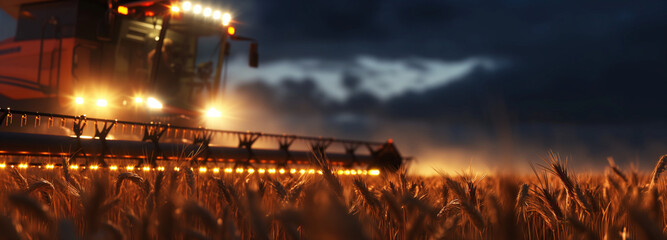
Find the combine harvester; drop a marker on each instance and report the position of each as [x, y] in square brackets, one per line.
[135, 60]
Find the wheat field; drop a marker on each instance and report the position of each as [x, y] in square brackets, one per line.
[551, 203]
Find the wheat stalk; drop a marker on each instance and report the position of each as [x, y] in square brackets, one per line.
[659, 168]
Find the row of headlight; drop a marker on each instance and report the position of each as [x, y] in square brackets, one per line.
[371, 172]
[151, 102]
[207, 12]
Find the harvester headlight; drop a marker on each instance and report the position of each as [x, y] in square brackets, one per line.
[187, 6]
[207, 12]
[217, 15]
[138, 100]
[213, 113]
[196, 9]
[78, 100]
[153, 103]
[101, 102]
[226, 19]
[175, 9]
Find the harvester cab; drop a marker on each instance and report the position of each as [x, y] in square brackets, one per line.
[125, 59]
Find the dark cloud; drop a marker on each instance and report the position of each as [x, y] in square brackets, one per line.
[627, 92]
[302, 97]
[327, 21]
[570, 61]
[448, 29]
[363, 103]
[350, 81]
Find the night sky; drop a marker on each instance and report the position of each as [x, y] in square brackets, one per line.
[492, 84]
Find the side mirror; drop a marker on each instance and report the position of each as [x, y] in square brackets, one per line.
[253, 58]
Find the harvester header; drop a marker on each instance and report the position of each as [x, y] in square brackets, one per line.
[96, 142]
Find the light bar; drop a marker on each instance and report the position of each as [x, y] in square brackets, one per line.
[207, 12]
[201, 170]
